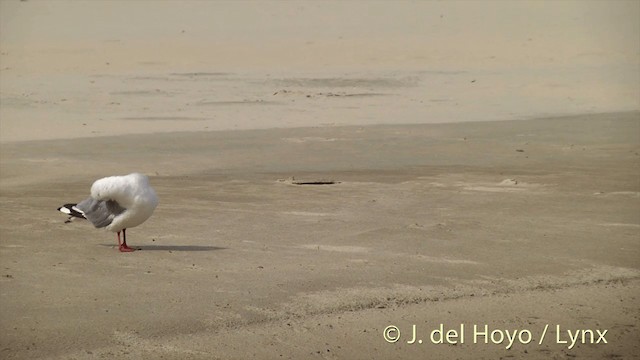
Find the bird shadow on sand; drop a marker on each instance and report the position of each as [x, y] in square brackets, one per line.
[173, 247]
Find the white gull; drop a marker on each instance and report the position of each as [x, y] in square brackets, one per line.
[116, 203]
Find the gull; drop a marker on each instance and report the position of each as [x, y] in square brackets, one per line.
[116, 203]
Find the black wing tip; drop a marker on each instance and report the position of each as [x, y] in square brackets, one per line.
[69, 210]
[67, 206]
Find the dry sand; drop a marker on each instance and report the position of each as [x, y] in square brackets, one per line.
[435, 215]
[96, 68]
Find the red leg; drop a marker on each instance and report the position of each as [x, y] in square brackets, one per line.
[124, 247]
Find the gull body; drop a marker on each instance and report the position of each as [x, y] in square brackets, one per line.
[116, 204]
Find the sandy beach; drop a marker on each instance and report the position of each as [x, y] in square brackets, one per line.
[419, 228]
[326, 192]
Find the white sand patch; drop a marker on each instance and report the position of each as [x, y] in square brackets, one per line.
[506, 185]
[493, 189]
[621, 225]
[444, 260]
[509, 182]
[620, 193]
[300, 140]
[346, 249]
[305, 213]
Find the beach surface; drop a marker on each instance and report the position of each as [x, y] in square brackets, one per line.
[73, 69]
[418, 180]
[514, 225]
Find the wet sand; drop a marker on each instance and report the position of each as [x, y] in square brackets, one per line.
[516, 225]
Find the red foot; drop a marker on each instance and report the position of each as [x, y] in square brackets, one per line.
[122, 246]
[125, 248]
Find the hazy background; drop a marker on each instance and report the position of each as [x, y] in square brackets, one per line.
[68, 63]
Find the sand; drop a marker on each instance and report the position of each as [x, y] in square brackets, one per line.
[96, 68]
[420, 228]
[326, 176]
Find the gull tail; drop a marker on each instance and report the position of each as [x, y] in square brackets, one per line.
[72, 211]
